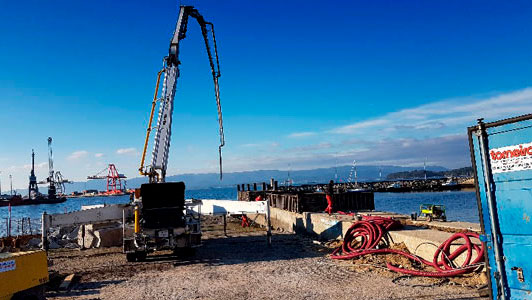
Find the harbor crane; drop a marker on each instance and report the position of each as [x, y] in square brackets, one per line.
[33, 189]
[114, 179]
[55, 180]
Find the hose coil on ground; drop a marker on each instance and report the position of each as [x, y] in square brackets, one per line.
[364, 237]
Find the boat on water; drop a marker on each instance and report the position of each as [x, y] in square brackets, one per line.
[358, 190]
[450, 183]
[395, 185]
[17, 200]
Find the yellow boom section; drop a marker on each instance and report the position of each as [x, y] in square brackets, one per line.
[153, 104]
[21, 271]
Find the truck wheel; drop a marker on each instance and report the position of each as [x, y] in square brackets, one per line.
[141, 256]
[185, 252]
[191, 251]
[131, 257]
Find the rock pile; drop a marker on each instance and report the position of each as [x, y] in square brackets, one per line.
[98, 235]
[62, 237]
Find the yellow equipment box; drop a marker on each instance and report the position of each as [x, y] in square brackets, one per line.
[21, 271]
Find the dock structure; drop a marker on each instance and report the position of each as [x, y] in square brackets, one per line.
[387, 186]
[307, 198]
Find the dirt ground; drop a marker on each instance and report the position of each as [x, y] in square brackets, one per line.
[242, 266]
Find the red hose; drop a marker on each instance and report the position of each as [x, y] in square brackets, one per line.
[363, 238]
[329, 207]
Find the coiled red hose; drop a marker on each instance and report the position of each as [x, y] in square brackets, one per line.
[364, 237]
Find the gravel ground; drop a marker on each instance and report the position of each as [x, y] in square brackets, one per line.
[240, 266]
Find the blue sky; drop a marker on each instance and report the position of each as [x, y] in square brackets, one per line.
[304, 83]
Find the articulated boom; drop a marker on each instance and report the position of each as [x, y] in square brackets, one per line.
[161, 145]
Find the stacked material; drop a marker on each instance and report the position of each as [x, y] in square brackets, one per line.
[313, 202]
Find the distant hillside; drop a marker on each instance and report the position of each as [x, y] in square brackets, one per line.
[416, 174]
[212, 180]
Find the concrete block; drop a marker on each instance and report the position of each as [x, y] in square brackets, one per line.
[87, 240]
[108, 237]
[424, 242]
[106, 234]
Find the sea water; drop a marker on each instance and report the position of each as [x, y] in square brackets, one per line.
[461, 206]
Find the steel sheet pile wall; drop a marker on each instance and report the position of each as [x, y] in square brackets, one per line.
[313, 202]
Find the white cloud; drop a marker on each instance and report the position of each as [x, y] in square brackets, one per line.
[98, 155]
[26, 167]
[404, 137]
[123, 151]
[262, 145]
[77, 155]
[307, 148]
[356, 127]
[449, 151]
[301, 134]
[452, 114]
[251, 145]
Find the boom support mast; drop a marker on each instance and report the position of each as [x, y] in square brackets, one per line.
[157, 169]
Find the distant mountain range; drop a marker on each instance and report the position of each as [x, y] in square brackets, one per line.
[212, 180]
[416, 174]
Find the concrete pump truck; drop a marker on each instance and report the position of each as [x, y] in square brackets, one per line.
[162, 219]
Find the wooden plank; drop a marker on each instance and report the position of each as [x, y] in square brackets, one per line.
[67, 282]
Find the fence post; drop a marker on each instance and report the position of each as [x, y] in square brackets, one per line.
[268, 222]
[44, 231]
[9, 222]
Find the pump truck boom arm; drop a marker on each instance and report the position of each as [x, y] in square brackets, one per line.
[161, 145]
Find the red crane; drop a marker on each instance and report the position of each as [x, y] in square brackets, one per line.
[114, 179]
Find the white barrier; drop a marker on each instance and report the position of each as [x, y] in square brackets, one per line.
[230, 207]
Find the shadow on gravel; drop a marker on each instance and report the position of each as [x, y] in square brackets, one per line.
[245, 249]
[83, 289]
[439, 297]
